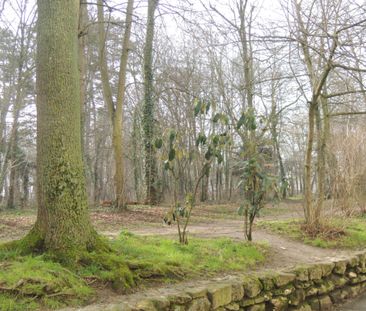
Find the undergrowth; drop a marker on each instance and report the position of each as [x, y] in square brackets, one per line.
[335, 233]
[33, 282]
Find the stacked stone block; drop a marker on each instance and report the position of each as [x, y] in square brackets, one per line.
[319, 286]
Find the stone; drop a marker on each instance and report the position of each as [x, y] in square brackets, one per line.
[297, 297]
[267, 282]
[360, 269]
[359, 279]
[219, 295]
[237, 291]
[199, 304]
[118, 307]
[267, 296]
[260, 307]
[304, 307]
[353, 262]
[327, 268]
[146, 305]
[315, 272]
[362, 260]
[302, 274]
[179, 298]
[285, 291]
[352, 275]
[340, 267]
[234, 306]
[338, 281]
[161, 303]
[283, 279]
[197, 292]
[177, 308]
[247, 302]
[353, 291]
[338, 296]
[299, 284]
[312, 291]
[325, 303]
[278, 304]
[314, 304]
[325, 287]
[252, 286]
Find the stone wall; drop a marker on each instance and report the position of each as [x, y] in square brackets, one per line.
[306, 288]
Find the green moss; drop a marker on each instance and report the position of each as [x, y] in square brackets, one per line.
[109, 267]
[9, 303]
[34, 281]
[30, 244]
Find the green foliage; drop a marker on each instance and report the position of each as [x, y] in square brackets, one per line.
[201, 107]
[172, 137]
[158, 143]
[208, 149]
[255, 180]
[248, 120]
[171, 155]
[201, 139]
[256, 184]
[223, 118]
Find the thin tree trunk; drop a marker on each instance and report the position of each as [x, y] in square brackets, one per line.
[115, 109]
[308, 165]
[13, 142]
[148, 109]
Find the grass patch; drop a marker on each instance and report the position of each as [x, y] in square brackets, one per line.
[33, 282]
[352, 232]
[199, 256]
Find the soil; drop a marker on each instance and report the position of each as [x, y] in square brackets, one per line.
[209, 221]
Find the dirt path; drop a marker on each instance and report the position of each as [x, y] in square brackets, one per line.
[283, 254]
[209, 222]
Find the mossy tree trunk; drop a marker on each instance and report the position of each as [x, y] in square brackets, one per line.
[63, 226]
[148, 109]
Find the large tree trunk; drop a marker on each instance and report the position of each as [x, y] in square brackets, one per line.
[62, 225]
[148, 110]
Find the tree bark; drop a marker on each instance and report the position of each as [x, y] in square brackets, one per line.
[148, 109]
[63, 226]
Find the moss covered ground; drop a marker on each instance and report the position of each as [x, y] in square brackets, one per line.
[337, 233]
[37, 281]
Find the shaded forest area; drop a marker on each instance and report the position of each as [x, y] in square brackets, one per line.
[276, 89]
[199, 70]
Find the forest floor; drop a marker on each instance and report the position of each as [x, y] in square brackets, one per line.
[208, 221]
